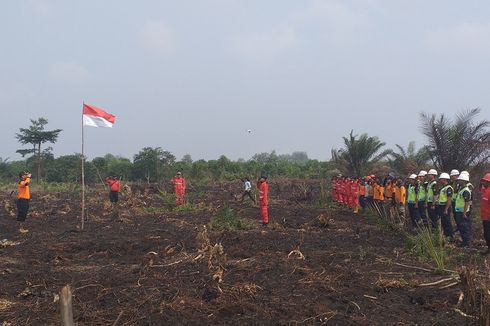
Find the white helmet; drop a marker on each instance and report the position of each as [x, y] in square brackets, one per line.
[454, 172]
[465, 172]
[464, 177]
[422, 173]
[432, 172]
[444, 175]
[412, 176]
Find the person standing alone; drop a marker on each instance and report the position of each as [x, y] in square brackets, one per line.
[114, 188]
[23, 198]
[179, 187]
[247, 191]
[263, 187]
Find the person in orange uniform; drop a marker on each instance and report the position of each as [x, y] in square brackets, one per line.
[381, 196]
[263, 187]
[23, 198]
[388, 194]
[179, 187]
[485, 210]
[400, 197]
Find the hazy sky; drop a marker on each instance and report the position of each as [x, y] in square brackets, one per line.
[193, 76]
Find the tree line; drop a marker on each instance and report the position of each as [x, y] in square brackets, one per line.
[461, 142]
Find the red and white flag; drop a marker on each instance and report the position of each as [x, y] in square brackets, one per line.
[96, 117]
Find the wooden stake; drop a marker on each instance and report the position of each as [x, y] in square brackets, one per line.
[66, 306]
[83, 176]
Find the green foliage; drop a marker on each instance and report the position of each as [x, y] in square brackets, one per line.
[429, 244]
[153, 164]
[463, 136]
[227, 219]
[407, 160]
[168, 198]
[359, 155]
[35, 136]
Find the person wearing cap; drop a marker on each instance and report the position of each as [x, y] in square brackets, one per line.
[263, 187]
[23, 198]
[179, 187]
[421, 190]
[462, 210]
[470, 186]
[444, 202]
[413, 212]
[431, 201]
[485, 210]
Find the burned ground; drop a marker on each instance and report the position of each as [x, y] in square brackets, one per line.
[149, 265]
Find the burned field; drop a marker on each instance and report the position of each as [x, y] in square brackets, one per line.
[149, 264]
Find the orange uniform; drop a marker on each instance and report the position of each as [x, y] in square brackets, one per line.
[179, 187]
[23, 189]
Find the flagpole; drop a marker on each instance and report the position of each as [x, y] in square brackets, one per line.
[83, 173]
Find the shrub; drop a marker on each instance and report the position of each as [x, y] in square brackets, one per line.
[227, 219]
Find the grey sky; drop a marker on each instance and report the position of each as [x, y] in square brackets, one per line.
[193, 76]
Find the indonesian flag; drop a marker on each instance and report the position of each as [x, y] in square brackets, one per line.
[96, 117]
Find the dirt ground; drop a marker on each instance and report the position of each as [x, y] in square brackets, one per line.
[148, 265]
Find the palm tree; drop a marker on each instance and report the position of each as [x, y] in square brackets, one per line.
[409, 160]
[359, 155]
[459, 144]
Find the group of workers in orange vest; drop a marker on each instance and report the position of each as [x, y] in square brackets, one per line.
[427, 197]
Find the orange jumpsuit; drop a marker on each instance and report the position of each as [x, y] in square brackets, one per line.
[263, 187]
[179, 187]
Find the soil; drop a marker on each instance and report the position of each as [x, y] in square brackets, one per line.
[141, 266]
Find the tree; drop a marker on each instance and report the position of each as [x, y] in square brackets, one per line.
[359, 155]
[35, 135]
[460, 144]
[152, 164]
[409, 160]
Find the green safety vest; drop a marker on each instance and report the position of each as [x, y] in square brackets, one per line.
[443, 195]
[411, 194]
[422, 196]
[455, 188]
[460, 199]
[430, 191]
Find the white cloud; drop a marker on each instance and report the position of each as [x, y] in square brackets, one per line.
[266, 44]
[69, 72]
[466, 37]
[157, 37]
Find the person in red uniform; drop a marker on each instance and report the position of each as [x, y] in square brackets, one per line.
[485, 210]
[179, 186]
[263, 187]
[114, 189]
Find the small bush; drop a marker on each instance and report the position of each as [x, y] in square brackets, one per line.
[227, 219]
[429, 244]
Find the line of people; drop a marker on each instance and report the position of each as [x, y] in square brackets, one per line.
[427, 197]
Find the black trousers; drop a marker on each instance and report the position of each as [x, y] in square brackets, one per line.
[22, 208]
[113, 196]
[249, 194]
[486, 232]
